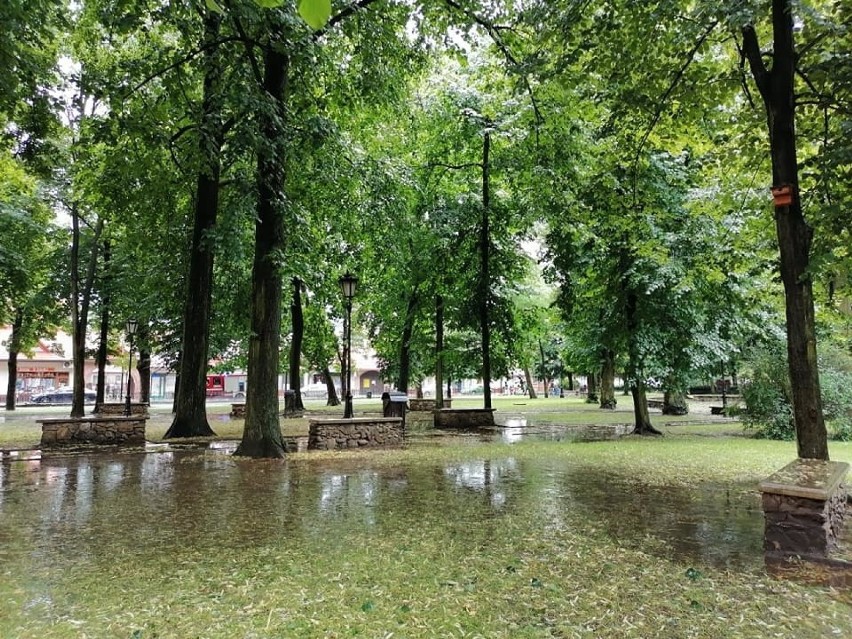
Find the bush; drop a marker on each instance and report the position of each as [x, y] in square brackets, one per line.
[767, 395]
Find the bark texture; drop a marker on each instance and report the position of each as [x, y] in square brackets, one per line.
[298, 321]
[262, 432]
[14, 347]
[776, 88]
[608, 400]
[190, 418]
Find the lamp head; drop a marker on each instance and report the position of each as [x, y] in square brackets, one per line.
[348, 284]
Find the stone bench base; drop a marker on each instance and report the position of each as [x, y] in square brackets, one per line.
[137, 409]
[427, 404]
[804, 504]
[464, 418]
[92, 431]
[358, 432]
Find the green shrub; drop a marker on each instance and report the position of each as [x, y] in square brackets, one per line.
[767, 394]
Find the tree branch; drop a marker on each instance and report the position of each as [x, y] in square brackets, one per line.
[751, 48]
[661, 104]
[494, 33]
[179, 62]
[340, 17]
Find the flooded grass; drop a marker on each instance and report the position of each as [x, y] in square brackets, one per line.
[455, 535]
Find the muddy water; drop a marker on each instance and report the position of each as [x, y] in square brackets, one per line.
[71, 508]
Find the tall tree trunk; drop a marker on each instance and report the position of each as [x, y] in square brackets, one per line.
[439, 351]
[608, 400]
[543, 368]
[333, 399]
[262, 431]
[641, 416]
[298, 321]
[103, 346]
[190, 418]
[642, 420]
[81, 295]
[403, 380]
[592, 390]
[143, 367]
[14, 347]
[674, 398]
[794, 234]
[485, 274]
[530, 386]
[674, 403]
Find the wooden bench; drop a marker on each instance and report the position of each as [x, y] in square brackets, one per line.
[655, 404]
[804, 504]
[238, 410]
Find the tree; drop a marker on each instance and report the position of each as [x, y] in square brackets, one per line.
[776, 87]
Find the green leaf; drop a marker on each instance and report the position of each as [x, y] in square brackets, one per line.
[214, 6]
[368, 606]
[269, 4]
[315, 12]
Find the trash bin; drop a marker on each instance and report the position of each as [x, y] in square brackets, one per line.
[394, 404]
[369, 394]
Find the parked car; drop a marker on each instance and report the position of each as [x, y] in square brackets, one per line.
[61, 396]
[315, 391]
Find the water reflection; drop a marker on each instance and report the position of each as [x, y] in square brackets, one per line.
[73, 508]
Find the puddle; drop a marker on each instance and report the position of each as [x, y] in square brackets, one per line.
[168, 490]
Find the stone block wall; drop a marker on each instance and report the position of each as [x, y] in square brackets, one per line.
[464, 418]
[88, 431]
[804, 505]
[137, 409]
[803, 526]
[361, 432]
[426, 404]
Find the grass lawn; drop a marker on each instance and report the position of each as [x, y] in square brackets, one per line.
[636, 537]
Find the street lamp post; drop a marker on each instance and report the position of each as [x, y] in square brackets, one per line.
[348, 284]
[130, 329]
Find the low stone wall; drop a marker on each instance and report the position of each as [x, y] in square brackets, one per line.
[86, 431]
[804, 504]
[426, 404]
[238, 410]
[358, 432]
[464, 418]
[137, 409]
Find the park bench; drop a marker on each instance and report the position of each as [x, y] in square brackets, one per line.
[655, 404]
[804, 504]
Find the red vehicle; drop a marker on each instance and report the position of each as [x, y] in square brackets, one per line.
[226, 385]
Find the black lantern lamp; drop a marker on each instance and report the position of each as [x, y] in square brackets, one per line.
[348, 284]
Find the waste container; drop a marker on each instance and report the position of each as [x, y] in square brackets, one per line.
[394, 404]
